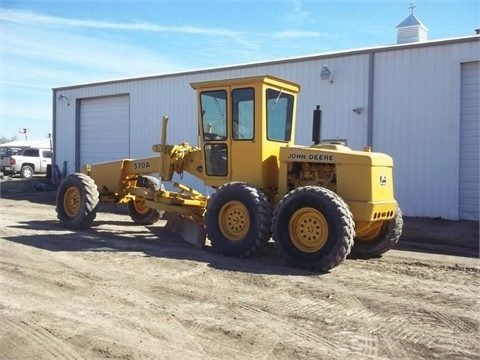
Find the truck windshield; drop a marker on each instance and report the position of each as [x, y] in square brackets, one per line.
[279, 115]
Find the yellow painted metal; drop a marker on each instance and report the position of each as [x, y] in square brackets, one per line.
[372, 211]
[72, 201]
[234, 220]
[243, 82]
[366, 231]
[308, 229]
[364, 179]
[255, 160]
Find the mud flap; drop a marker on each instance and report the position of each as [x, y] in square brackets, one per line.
[189, 230]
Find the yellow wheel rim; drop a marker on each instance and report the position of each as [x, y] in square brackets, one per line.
[72, 201]
[370, 231]
[308, 230]
[234, 220]
[139, 205]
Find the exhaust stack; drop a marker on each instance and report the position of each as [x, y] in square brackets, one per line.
[316, 125]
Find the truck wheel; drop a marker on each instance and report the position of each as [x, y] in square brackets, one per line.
[381, 239]
[26, 172]
[238, 220]
[137, 210]
[77, 201]
[313, 228]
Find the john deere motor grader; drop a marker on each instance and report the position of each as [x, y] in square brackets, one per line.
[319, 203]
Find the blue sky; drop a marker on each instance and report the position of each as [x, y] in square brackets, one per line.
[47, 44]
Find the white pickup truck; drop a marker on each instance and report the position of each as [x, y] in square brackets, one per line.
[27, 162]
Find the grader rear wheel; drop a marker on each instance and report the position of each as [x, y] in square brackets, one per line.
[313, 228]
[308, 229]
[380, 239]
[77, 201]
[238, 220]
[234, 220]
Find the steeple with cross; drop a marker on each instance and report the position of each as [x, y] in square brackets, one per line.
[412, 7]
[411, 29]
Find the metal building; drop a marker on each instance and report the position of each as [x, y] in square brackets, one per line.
[418, 102]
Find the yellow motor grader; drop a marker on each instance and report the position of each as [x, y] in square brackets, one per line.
[318, 203]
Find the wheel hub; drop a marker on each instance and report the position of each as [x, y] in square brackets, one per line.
[71, 201]
[308, 230]
[139, 205]
[234, 220]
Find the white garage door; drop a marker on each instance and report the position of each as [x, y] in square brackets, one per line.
[104, 129]
[469, 143]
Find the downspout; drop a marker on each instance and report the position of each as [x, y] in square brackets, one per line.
[371, 65]
[53, 144]
[77, 136]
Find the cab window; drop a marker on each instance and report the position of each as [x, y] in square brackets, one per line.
[243, 114]
[214, 115]
[279, 115]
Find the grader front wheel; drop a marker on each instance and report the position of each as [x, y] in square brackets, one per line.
[141, 214]
[313, 228]
[238, 220]
[77, 201]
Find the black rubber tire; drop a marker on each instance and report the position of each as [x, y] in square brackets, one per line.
[238, 220]
[386, 239]
[26, 172]
[139, 214]
[335, 231]
[77, 201]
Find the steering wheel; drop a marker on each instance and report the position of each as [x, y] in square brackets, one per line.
[212, 136]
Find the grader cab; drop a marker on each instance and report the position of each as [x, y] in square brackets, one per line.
[318, 203]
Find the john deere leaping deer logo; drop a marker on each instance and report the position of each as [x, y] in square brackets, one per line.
[383, 180]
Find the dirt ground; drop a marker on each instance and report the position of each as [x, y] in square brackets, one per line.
[122, 291]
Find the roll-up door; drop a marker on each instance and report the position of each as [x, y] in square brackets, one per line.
[104, 129]
[469, 143]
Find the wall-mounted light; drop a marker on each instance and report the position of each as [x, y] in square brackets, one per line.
[326, 74]
[61, 96]
[358, 110]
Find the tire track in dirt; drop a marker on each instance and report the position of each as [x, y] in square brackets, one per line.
[303, 330]
[45, 341]
[332, 312]
[450, 321]
[412, 321]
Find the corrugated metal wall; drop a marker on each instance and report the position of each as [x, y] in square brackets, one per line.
[414, 115]
[417, 121]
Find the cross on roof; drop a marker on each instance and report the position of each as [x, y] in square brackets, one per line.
[412, 6]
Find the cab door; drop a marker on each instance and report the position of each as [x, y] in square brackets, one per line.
[214, 139]
[245, 155]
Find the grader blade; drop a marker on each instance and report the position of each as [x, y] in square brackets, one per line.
[189, 230]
